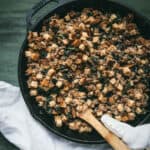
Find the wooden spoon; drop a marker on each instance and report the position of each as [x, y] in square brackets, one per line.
[111, 138]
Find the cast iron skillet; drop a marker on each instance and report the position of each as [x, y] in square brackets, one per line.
[61, 8]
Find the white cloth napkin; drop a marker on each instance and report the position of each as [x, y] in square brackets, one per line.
[21, 129]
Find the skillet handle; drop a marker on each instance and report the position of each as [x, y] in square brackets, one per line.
[35, 9]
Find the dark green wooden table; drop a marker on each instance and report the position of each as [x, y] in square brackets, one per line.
[12, 34]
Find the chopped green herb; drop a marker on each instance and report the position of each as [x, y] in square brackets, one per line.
[43, 53]
[44, 71]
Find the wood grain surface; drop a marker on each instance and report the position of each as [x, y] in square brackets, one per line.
[12, 34]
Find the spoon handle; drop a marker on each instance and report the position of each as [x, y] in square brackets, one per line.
[111, 138]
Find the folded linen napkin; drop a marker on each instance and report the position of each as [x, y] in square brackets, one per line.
[20, 128]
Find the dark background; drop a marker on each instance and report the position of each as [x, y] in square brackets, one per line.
[12, 34]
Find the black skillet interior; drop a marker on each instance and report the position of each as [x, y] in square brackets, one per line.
[39, 114]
